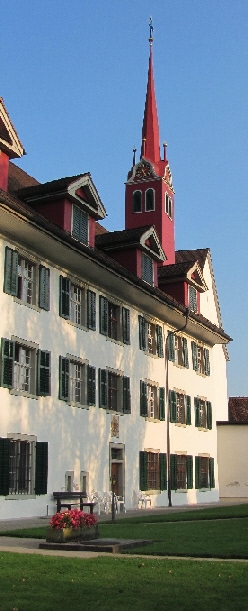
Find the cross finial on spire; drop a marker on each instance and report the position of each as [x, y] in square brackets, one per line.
[151, 31]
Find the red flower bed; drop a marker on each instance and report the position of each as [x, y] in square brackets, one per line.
[73, 519]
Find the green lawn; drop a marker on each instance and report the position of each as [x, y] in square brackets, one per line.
[29, 582]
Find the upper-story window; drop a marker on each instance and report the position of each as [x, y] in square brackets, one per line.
[168, 205]
[152, 401]
[26, 280]
[178, 350]
[77, 381]
[149, 200]
[147, 269]
[114, 391]
[150, 337]
[137, 201]
[200, 359]
[193, 299]
[25, 369]
[77, 304]
[203, 413]
[80, 224]
[114, 320]
[180, 407]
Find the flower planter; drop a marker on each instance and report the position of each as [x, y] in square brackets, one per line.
[62, 535]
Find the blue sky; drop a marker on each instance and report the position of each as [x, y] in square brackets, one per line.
[73, 77]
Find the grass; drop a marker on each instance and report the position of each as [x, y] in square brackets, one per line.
[29, 582]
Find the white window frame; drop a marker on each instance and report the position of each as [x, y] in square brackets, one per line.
[153, 209]
[23, 345]
[168, 205]
[136, 211]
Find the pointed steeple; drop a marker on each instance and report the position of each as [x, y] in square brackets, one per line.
[150, 148]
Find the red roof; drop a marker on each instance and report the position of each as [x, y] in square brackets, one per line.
[238, 410]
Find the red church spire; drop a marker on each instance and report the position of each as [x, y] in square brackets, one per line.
[150, 148]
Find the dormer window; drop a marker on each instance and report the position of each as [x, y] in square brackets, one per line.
[137, 201]
[192, 299]
[147, 269]
[168, 205]
[80, 224]
[150, 200]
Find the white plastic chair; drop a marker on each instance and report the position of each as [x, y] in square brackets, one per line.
[120, 501]
[140, 497]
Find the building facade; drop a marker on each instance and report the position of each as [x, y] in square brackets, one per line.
[113, 358]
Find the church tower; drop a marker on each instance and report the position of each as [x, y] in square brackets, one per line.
[149, 190]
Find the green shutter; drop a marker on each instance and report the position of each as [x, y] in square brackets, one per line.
[41, 467]
[91, 310]
[91, 385]
[44, 373]
[143, 399]
[188, 409]
[8, 353]
[197, 411]
[189, 465]
[171, 347]
[76, 222]
[44, 288]
[143, 461]
[147, 269]
[64, 302]
[211, 473]
[142, 333]
[4, 466]
[161, 403]
[80, 225]
[194, 356]
[173, 406]
[103, 388]
[206, 362]
[64, 366]
[126, 326]
[163, 471]
[173, 471]
[197, 472]
[11, 272]
[185, 353]
[159, 334]
[209, 415]
[103, 313]
[126, 396]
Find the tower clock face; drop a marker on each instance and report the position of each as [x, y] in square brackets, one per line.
[143, 171]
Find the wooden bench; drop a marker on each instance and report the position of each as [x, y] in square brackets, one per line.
[70, 497]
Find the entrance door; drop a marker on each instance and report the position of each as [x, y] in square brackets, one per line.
[116, 467]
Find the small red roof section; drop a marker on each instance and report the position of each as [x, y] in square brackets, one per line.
[238, 410]
[18, 179]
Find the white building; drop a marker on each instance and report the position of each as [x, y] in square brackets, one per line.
[113, 355]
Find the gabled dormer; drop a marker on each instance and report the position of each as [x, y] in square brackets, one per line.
[72, 203]
[138, 250]
[10, 145]
[184, 281]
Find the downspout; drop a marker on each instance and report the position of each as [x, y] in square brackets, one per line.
[168, 406]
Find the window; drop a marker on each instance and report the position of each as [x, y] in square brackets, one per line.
[25, 464]
[203, 413]
[149, 200]
[21, 280]
[114, 391]
[193, 299]
[204, 472]
[137, 201]
[168, 205]
[147, 269]
[25, 368]
[178, 350]
[80, 223]
[181, 471]
[200, 359]
[114, 320]
[150, 337]
[180, 407]
[152, 470]
[152, 401]
[76, 304]
[77, 381]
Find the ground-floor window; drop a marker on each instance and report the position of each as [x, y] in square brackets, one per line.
[181, 471]
[204, 472]
[24, 463]
[153, 470]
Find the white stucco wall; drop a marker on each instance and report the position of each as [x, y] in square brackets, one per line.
[233, 460]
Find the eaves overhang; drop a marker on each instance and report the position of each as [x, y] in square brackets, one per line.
[31, 230]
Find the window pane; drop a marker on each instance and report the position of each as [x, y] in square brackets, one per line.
[153, 471]
[22, 368]
[76, 304]
[75, 392]
[20, 467]
[112, 391]
[25, 280]
[181, 471]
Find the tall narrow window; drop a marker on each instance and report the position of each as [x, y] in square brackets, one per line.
[192, 299]
[168, 205]
[80, 222]
[147, 269]
[26, 286]
[137, 201]
[150, 200]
